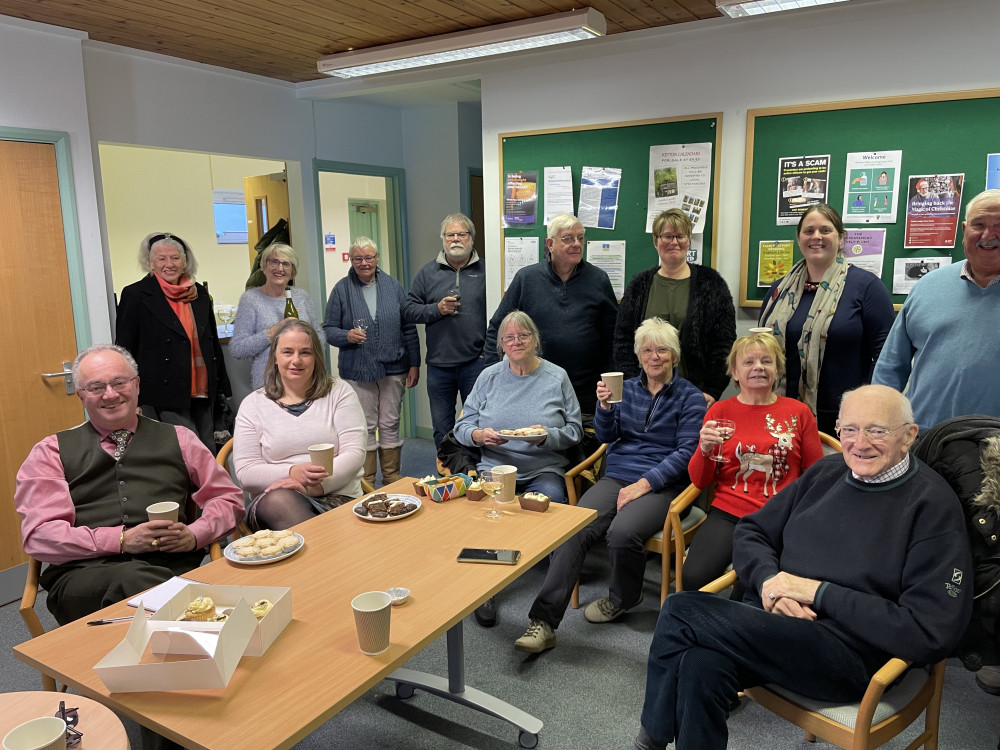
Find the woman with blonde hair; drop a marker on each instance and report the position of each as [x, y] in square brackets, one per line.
[773, 439]
[262, 308]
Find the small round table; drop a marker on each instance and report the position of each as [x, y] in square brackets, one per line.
[102, 730]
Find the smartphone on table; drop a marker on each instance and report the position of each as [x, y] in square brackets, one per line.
[495, 556]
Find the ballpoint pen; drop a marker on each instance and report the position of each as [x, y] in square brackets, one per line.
[112, 620]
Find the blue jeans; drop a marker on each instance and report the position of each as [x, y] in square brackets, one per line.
[706, 648]
[443, 385]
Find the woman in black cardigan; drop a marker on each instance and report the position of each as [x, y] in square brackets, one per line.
[166, 320]
[693, 298]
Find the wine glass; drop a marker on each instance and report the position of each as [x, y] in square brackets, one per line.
[361, 324]
[227, 314]
[492, 486]
[725, 428]
[457, 294]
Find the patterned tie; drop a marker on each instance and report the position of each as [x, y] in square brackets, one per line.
[121, 438]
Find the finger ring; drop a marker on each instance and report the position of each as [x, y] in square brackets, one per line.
[771, 597]
[156, 543]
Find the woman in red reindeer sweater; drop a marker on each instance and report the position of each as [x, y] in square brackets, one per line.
[774, 440]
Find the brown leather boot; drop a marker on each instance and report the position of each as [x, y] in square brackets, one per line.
[389, 458]
[371, 466]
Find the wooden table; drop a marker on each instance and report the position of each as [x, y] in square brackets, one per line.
[101, 729]
[315, 668]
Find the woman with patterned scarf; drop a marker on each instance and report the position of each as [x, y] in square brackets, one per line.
[830, 317]
[379, 353]
[167, 322]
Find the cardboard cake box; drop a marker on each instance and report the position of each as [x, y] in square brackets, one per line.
[216, 647]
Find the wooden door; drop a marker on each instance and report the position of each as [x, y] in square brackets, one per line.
[39, 335]
[267, 201]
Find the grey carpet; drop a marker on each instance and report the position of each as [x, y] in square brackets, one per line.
[587, 690]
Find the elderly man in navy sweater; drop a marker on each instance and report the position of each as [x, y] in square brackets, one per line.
[846, 567]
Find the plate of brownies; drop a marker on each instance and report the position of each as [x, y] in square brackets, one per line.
[380, 506]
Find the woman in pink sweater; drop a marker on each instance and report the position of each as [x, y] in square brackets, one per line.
[300, 405]
[775, 439]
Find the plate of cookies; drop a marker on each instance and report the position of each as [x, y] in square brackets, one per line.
[264, 546]
[380, 506]
[527, 434]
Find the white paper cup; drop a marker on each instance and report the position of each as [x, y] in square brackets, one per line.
[163, 511]
[46, 733]
[321, 454]
[614, 380]
[509, 474]
[372, 611]
[762, 329]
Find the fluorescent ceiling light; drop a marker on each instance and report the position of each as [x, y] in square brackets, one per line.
[740, 8]
[517, 36]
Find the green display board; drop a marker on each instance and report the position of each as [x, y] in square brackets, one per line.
[619, 145]
[938, 134]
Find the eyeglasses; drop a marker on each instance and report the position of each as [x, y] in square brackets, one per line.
[519, 338]
[98, 388]
[660, 351]
[874, 434]
[569, 239]
[456, 235]
[672, 237]
[363, 259]
[275, 263]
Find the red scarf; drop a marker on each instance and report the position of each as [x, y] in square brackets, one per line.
[180, 296]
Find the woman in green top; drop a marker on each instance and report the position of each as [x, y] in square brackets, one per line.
[691, 297]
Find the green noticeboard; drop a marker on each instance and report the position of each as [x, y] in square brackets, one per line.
[624, 146]
[947, 133]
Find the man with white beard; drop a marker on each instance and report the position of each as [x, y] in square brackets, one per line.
[448, 295]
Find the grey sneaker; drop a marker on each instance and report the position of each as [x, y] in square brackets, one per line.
[537, 638]
[602, 610]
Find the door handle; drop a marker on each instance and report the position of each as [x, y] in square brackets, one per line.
[67, 373]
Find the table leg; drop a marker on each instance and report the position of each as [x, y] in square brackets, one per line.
[455, 689]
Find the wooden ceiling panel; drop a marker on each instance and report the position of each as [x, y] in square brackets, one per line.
[284, 40]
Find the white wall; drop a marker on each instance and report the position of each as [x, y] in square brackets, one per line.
[729, 67]
[42, 88]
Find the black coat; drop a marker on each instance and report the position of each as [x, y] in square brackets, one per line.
[707, 335]
[149, 328]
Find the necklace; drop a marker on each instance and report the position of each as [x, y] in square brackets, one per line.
[299, 407]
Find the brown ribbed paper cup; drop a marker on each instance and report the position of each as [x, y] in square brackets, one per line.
[321, 454]
[613, 381]
[372, 611]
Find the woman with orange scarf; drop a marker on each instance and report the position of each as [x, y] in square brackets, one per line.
[166, 320]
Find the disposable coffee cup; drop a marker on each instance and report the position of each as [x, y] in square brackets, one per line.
[509, 477]
[372, 611]
[763, 329]
[613, 381]
[45, 733]
[163, 511]
[321, 454]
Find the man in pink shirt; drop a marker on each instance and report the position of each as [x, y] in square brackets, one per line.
[82, 495]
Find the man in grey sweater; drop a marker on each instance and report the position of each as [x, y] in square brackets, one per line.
[448, 296]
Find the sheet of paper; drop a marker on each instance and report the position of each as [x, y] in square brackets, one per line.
[518, 253]
[520, 199]
[599, 197]
[908, 271]
[610, 257]
[774, 260]
[871, 187]
[933, 204]
[558, 191]
[865, 248]
[803, 181]
[680, 176]
[157, 596]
